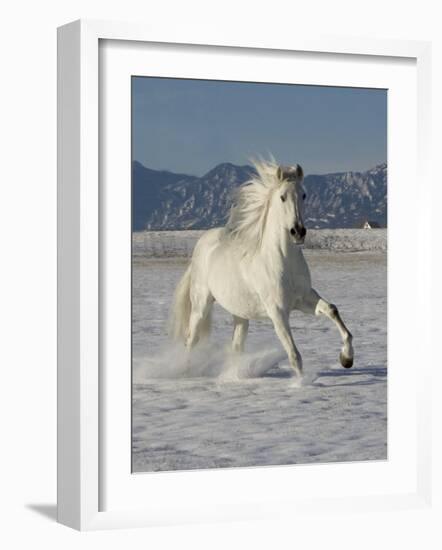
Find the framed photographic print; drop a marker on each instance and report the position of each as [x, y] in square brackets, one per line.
[232, 273]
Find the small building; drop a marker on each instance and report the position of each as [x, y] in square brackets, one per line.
[367, 224]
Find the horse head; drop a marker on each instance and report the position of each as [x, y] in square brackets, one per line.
[291, 196]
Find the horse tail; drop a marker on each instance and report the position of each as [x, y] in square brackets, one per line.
[181, 309]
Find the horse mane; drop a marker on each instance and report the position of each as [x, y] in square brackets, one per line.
[248, 214]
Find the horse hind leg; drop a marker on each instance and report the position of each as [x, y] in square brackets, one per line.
[200, 318]
[240, 330]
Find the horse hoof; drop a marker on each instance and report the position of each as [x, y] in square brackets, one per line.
[346, 362]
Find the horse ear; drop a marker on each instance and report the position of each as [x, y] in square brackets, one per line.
[290, 172]
[299, 172]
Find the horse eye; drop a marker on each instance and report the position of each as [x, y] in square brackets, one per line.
[283, 198]
[304, 196]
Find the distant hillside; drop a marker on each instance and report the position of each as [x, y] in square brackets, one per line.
[165, 200]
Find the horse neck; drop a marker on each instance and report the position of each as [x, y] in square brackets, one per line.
[276, 241]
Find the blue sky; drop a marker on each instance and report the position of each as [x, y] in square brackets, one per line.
[190, 126]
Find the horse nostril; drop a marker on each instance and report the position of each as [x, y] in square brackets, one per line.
[292, 232]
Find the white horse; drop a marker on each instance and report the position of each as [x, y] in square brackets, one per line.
[254, 267]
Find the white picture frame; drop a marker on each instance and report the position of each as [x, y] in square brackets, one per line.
[79, 275]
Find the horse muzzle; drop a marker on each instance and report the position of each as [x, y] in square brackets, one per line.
[298, 232]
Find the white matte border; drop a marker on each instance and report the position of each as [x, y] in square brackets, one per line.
[235, 491]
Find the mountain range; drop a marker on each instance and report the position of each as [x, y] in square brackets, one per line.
[165, 200]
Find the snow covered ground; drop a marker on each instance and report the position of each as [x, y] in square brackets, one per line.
[228, 412]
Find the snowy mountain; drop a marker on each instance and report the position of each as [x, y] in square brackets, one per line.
[165, 200]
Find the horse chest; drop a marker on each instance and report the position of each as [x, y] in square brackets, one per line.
[294, 281]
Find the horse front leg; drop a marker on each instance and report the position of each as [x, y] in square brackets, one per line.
[280, 320]
[313, 303]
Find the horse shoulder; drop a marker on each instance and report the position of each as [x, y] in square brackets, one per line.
[265, 275]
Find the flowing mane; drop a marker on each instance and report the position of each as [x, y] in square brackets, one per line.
[251, 201]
